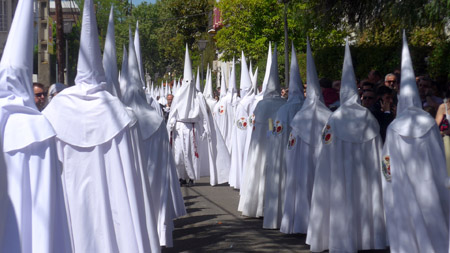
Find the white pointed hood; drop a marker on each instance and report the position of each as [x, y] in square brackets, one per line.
[411, 120]
[24, 123]
[137, 48]
[409, 94]
[255, 81]
[185, 106]
[295, 81]
[134, 97]
[110, 59]
[223, 87]
[246, 82]
[208, 91]
[124, 72]
[273, 88]
[232, 91]
[312, 117]
[352, 122]
[79, 113]
[349, 91]
[197, 81]
[313, 91]
[266, 74]
[17, 59]
[90, 68]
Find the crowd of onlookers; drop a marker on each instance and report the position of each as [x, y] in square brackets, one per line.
[378, 94]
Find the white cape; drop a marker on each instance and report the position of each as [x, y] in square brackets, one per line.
[238, 138]
[415, 198]
[100, 179]
[275, 170]
[252, 190]
[301, 159]
[346, 206]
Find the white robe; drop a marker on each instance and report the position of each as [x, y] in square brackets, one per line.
[416, 200]
[238, 138]
[103, 190]
[154, 211]
[301, 160]
[32, 209]
[165, 188]
[346, 206]
[198, 148]
[276, 165]
[252, 191]
[35, 212]
[223, 115]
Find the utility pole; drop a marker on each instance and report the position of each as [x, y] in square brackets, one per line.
[59, 40]
[286, 44]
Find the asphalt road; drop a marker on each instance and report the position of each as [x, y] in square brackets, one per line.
[213, 224]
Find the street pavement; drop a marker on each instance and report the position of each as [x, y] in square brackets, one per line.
[213, 224]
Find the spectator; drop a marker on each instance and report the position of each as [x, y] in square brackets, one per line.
[442, 115]
[374, 76]
[368, 98]
[330, 95]
[427, 89]
[391, 81]
[40, 96]
[366, 85]
[166, 108]
[384, 109]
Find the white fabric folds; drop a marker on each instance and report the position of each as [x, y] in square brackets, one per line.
[414, 174]
[346, 198]
[32, 211]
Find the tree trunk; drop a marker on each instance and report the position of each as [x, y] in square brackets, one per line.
[59, 40]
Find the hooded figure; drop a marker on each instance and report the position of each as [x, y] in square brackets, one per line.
[55, 89]
[137, 47]
[157, 160]
[346, 206]
[101, 182]
[303, 149]
[256, 98]
[276, 164]
[32, 210]
[251, 202]
[239, 127]
[414, 173]
[189, 126]
[208, 91]
[224, 109]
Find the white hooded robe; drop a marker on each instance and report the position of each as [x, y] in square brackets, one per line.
[414, 174]
[303, 149]
[346, 206]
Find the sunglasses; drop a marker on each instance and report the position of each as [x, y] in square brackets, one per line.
[367, 97]
[38, 95]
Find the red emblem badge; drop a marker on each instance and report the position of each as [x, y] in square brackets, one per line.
[327, 135]
[386, 168]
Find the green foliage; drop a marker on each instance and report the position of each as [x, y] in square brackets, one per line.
[373, 27]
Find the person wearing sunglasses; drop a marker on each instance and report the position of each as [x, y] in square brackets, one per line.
[40, 96]
[368, 98]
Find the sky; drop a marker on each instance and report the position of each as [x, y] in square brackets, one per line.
[137, 2]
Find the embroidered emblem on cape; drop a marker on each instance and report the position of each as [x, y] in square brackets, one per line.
[242, 123]
[278, 129]
[292, 141]
[386, 168]
[251, 121]
[221, 110]
[327, 136]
